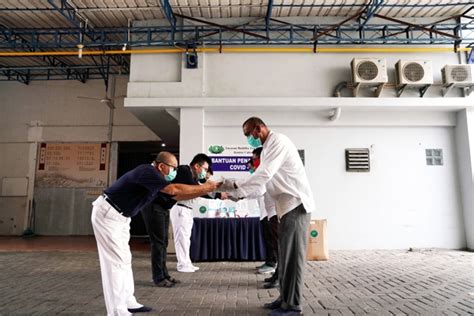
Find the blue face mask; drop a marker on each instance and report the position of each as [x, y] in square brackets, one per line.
[171, 175]
[202, 175]
[254, 142]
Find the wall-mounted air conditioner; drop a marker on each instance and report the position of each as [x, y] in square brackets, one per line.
[414, 73]
[369, 72]
[461, 76]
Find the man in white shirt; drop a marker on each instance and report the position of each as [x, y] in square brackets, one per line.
[282, 167]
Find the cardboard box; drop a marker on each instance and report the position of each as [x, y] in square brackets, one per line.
[317, 246]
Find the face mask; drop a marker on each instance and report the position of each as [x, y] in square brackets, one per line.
[251, 170]
[254, 142]
[202, 175]
[171, 175]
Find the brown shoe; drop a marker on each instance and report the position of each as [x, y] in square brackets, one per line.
[164, 283]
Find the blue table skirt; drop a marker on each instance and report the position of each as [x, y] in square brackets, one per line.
[227, 239]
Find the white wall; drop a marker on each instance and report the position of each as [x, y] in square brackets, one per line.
[401, 203]
[465, 145]
[49, 111]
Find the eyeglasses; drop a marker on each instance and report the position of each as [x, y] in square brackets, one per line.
[169, 165]
[205, 169]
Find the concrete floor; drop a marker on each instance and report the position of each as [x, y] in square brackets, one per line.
[66, 281]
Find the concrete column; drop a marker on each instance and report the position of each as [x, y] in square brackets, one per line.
[191, 136]
[465, 149]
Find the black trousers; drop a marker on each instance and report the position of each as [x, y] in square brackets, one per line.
[157, 222]
[270, 234]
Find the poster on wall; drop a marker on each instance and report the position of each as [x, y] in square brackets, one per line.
[230, 158]
[72, 165]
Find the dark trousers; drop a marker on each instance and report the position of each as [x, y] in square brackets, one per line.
[293, 242]
[270, 235]
[157, 221]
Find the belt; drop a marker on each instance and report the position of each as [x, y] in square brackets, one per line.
[188, 207]
[106, 198]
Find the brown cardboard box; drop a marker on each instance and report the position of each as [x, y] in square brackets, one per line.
[317, 247]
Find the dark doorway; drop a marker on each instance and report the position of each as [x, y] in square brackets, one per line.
[130, 155]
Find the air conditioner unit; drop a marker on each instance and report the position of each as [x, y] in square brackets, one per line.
[414, 73]
[458, 75]
[369, 71]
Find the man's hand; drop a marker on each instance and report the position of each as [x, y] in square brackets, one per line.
[227, 185]
[224, 196]
[211, 185]
[232, 197]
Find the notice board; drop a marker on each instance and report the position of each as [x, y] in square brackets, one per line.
[72, 165]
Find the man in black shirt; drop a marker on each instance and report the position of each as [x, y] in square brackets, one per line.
[110, 218]
[157, 218]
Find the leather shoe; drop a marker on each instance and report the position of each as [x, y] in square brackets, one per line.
[273, 305]
[285, 312]
[143, 309]
[271, 285]
[173, 280]
[164, 283]
[273, 278]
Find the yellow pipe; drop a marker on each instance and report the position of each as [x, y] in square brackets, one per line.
[244, 50]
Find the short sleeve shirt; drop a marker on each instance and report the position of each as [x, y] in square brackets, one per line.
[184, 176]
[135, 189]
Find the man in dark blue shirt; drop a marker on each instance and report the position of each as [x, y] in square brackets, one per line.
[110, 218]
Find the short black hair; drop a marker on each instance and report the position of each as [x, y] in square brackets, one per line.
[201, 159]
[257, 151]
[255, 121]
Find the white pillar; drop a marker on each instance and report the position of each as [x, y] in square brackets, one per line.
[191, 134]
[465, 149]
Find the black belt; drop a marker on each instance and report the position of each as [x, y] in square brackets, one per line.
[179, 204]
[106, 198]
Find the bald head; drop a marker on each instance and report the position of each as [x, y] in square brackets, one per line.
[252, 122]
[167, 158]
[255, 127]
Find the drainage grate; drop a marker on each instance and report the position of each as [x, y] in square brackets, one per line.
[357, 160]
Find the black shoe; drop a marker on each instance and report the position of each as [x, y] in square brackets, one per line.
[271, 285]
[273, 278]
[285, 312]
[273, 305]
[164, 283]
[173, 280]
[143, 309]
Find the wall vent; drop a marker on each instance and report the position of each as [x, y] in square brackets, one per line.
[434, 157]
[357, 160]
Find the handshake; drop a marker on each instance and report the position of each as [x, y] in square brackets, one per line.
[226, 186]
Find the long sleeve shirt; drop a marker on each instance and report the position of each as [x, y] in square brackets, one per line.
[280, 167]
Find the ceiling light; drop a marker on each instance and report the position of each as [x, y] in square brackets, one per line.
[79, 53]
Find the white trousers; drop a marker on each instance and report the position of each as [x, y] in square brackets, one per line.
[112, 233]
[182, 221]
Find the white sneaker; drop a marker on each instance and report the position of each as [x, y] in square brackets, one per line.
[186, 270]
[194, 267]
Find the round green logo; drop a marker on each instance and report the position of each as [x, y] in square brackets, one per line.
[216, 149]
[314, 233]
[202, 209]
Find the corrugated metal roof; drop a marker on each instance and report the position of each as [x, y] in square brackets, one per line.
[40, 14]
[115, 13]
